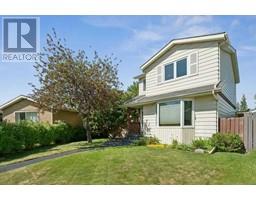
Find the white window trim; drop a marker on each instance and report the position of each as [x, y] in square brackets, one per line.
[26, 112]
[181, 113]
[175, 69]
[193, 113]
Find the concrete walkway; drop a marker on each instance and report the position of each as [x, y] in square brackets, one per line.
[12, 166]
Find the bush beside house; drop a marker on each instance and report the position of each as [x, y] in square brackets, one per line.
[26, 135]
[223, 142]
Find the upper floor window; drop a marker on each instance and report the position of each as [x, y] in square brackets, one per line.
[144, 85]
[169, 71]
[181, 68]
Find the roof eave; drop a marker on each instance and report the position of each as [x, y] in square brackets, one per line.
[15, 100]
[205, 38]
[140, 76]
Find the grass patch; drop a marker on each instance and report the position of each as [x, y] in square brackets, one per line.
[48, 150]
[139, 165]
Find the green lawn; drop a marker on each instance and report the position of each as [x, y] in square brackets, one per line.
[139, 165]
[49, 150]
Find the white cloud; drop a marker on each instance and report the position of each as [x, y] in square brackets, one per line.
[197, 30]
[235, 23]
[106, 21]
[147, 35]
[192, 20]
[248, 48]
[169, 27]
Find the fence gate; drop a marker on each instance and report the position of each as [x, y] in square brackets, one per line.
[244, 126]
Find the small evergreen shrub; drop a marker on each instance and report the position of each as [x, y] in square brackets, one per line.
[227, 143]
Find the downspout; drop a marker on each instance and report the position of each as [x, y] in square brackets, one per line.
[216, 98]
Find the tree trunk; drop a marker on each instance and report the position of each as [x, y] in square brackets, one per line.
[88, 131]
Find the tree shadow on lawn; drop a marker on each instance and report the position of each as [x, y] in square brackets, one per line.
[25, 153]
[52, 149]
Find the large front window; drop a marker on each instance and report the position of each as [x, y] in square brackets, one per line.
[21, 116]
[169, 113]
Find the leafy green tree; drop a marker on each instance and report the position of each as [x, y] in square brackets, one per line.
[112, 121]
[237, 106]
[132, 91]
[243, 104]
[71, 80]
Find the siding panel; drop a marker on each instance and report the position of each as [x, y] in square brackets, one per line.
[227, 77]
[205, 116]
[207, 68]
[224, 109]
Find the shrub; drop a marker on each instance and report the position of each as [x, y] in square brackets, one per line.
[45, 134]
[11, 138]
[227, 143]
[174, 144]
[27, 135]
[201, 144]
[146, 141]
[184, 147]
[62, 132]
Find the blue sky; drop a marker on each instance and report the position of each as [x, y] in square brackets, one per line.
[133, 39]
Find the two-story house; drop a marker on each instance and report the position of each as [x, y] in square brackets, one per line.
[186, 87]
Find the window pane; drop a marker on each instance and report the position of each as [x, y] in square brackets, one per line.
[144, 85]
[169, 72]
[32, 116]
[181, 67]
[19, 116]
[187, 113]
[169, 113]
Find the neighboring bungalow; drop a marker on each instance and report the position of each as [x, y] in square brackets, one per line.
[25, 108]
[186, 86]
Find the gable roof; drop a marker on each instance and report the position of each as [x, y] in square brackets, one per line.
[169, 45]
[15, 100]
[223, 36]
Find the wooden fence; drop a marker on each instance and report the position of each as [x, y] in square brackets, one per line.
[244, 126]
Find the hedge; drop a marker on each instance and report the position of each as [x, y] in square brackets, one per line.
[26, 135]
